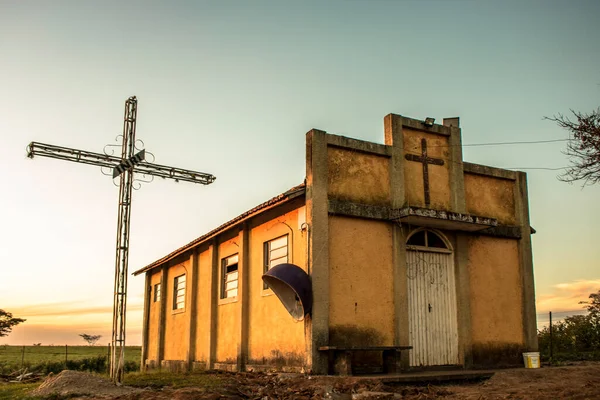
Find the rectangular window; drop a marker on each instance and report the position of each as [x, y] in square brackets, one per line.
[275, 253]
[229, 277]
[157, 292]
[179, 293]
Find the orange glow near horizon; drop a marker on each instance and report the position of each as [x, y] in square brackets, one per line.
[61, 323]
[567, 296]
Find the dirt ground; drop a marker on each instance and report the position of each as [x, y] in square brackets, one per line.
[577, 381]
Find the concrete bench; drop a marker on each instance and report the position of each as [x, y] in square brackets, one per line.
[340, 357]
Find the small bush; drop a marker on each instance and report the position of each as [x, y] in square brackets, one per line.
[131, 366]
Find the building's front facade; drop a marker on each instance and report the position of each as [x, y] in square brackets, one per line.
[404, 243]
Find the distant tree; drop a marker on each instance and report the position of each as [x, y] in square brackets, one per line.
[577, 334]
[90, 339]
[593, 304]
[583, 147]
[7, 322]
[593, 307]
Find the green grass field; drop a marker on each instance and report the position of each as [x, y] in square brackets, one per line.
[42, 358]
[12, 357]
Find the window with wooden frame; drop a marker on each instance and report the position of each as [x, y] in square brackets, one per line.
[229, 277]
[157, 292]
[275, 253]
[179, 292]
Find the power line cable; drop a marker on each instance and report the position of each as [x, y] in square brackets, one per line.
[510, 143]
[498, 143]
[541, 168]
[507, 168]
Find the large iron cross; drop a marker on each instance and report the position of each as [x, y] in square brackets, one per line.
[125, 167]
[425, 160]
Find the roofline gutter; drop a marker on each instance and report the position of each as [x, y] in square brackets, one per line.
[228, 225]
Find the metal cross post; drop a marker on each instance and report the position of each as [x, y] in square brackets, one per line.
[125, 167]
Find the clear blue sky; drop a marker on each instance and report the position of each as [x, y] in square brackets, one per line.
[231, 88]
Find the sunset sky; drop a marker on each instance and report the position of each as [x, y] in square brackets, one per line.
[231, 88]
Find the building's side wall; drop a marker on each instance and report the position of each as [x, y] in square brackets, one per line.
[274, 337]
[439, 175]
[152, 345]
[203, 304]
[361, 308]
[495, 300]
[176, 323]
[491, 197]
[250, 330]
[228, 322]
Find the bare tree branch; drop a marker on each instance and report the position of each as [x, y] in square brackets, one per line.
[583, 147]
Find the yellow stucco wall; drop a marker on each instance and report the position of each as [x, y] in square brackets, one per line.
[358, 177]
[274, 336]
[176, 321]
[495, 287]
[228, 314]
[152, 344]
[203, 304]
[490, 197]
[439, 175]
[361, 308]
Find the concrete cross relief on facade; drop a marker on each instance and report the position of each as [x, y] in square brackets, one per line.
[423, 158]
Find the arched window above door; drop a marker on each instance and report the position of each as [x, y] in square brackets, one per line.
[427, 238]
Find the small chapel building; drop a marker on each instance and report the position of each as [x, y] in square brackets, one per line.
[401, 244]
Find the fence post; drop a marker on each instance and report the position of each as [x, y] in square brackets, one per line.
[551, 341]
[108, 360]
[22, 357]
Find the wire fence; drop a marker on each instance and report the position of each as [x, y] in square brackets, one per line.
[56, 358]
[574, 337]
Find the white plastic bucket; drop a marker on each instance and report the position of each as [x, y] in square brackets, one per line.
[532, 359]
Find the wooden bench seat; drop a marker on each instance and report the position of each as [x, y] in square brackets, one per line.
[340, 357]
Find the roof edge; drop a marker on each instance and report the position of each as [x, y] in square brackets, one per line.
[284, 197]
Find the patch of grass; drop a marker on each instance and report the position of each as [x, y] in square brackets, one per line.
[16, 391]
[160, 379]
[572, 356]
[52, 358]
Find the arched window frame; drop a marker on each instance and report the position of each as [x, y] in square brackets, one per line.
[436, 232]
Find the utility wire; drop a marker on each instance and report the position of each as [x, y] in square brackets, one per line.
[498, 143]
[511, 168]
[542, 168]
[504, 143]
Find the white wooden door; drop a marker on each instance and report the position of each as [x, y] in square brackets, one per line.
[433, 331]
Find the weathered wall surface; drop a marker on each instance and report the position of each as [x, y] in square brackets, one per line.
[439, 175]
[176, 324]
[361, 286]
[228, 322]
[274, 337]
[496, 300]
[203, 305]
[358, 177]
[152, 344]
[491, 197]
